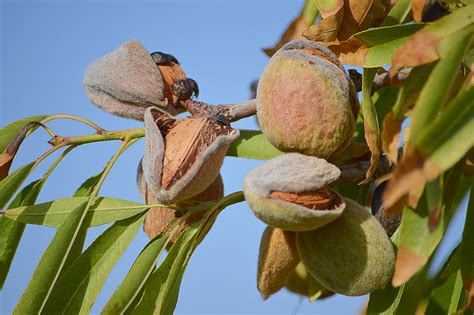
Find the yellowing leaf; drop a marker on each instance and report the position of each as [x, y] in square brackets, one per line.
[341, 19]
[417, 8]
[432, 42]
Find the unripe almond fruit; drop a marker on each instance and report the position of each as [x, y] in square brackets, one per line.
[352, 255]
[277, 259]
[306, 101]
[292, 192]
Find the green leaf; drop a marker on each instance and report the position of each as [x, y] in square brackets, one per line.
[436, 40]
[51, 264]
[375, 47]
[252, 144]
[411, 89]
[398, 13]
[54, 213]
[385, 301]
[84, 190]
[371, 125]
[78, 287]
[87, 187]
[467, 248]
[417, 237]
[445, 298]
[384, 99]
[134, 282]
[449, 138]
[12, 231]
[436, 89]
[10, 184]
[161, 289]
[9, 132]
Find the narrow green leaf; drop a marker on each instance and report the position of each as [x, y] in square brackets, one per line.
[9, 132]
[51, 264]
[10, 184]
[54, 213]
[160, 293]
[78, 287]
[398, 13]
[410, 89]
[417, 241]
[445, 298]
[467, 249]
[436, 89]
[445, 141]
[371, 125]
[133, 283]
[87, 187]
[11, 231]
[385, 301]
[84, 190]
[375, 47]
[252, 144]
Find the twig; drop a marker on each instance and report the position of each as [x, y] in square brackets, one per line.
[232, 112]
[122, 135]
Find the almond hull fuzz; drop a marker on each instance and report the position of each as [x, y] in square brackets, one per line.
[352, 255]
[289, 192]
[277, 259]
[178, 167]
[306, 101]
[127, 81]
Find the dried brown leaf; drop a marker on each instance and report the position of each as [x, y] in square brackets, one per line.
[420, 49]
[342, 20]
[469, 285]
[417, 7]
[391, 136]
[6, 158]
[406, 265]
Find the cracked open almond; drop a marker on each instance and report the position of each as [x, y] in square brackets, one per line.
[182, 158]
[292, 192]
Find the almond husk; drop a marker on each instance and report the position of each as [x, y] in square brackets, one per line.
[285, 191]
[277, 259]
[127, 81]
[185, 143]
[187, 159]
[158, 218]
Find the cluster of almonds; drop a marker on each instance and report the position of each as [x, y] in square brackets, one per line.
[306, 105]
[183, 157]
[317, 242]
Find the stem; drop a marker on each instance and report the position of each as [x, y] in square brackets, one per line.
[130, 134]
[77, 118]
[233, 112]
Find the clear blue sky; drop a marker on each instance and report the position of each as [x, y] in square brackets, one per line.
[45, 48]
